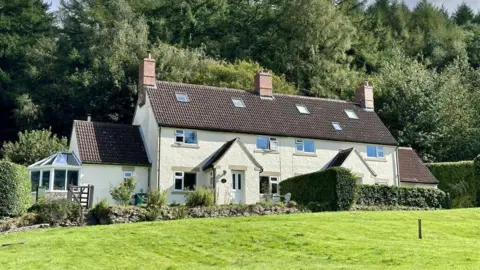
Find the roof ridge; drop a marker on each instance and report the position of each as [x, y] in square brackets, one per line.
[105, 123]
[251, 91]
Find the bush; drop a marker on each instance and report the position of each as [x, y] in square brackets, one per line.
[200, 197]
[56, 212]
[401, 196]
[27, 219]
[333, 189]
[123, 193]
[156, 199]
[101, 213]
[458, 179]
[15, 187]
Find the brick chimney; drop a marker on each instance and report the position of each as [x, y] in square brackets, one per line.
[263, 83]
[146, 77]
[364, 96]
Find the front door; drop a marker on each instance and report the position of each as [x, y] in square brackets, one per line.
[237, 187]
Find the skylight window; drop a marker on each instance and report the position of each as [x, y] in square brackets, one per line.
[302, 109]
[238, 102]
[337, 126]
[351, 114]
[182, 97]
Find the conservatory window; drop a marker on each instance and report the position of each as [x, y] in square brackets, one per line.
[35, 180]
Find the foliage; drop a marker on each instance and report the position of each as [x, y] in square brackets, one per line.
[400, 196]
[15, 187]
[458, 179]
[55, 212]
[33, 146]
[100, 213]
[202, 196]
[24, 220]
[156, 199]
[331, 190]
[123, 193]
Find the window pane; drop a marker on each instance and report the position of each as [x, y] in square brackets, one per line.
[178, 183]
[264, 182]
[233, 181]
[71, 160]
[178, 138]
[189, 181]
[238, 103]
[273, 144]
[300, 147]
[72, 178]
[309, 146]
[274, 188]
[337, 126]
[239, 185]
[61, 159]
[371, 151]
[35, 180]
[380, 151]
[46, 179]
[302, 109]
[191, 137]
[262, 143]
[351, 114]
[182, 97]
[59, 180]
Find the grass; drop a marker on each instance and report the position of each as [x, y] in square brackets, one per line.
[351, 240]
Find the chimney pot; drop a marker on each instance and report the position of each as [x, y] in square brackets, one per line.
[263, 83]
[364, 96]
[89, 118]
[146, 77]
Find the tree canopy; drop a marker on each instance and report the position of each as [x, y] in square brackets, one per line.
[83, 59]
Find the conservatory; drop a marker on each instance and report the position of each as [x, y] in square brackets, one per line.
[55, 172]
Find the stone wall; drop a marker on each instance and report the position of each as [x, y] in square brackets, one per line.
[130, 214]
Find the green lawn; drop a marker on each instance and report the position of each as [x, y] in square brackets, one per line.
[354, 240]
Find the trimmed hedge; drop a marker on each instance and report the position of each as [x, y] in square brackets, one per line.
[458, 179]
[15, 185]
[401, 196]
[333, 189]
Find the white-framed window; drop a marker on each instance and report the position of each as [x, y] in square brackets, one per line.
[267, 143]
[185, 136]
[351, 114]
[182, 97]
[127, 175]
[238, 102]
[374, 151]
[185, 180]
[59, 182]
[211, 178]
[337, 126]
[305, 146]
[269, 185]
[302, 109]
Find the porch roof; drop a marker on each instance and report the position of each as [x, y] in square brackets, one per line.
[217, 155]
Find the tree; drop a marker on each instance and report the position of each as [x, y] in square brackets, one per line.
[24, 24]
[123, 193]
[464, 14]
[33, 146]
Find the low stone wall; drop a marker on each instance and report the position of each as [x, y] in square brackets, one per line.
[130, 214]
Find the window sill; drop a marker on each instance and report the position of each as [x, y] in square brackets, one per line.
[266, 151]
[181, 192]
[305, 154]
[185, 145]
[376, 159]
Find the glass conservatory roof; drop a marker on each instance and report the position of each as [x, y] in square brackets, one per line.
[59, 159]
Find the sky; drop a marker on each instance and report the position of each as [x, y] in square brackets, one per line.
[451, 5]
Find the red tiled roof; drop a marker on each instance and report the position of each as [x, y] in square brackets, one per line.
[110, 143]
[412, 168]
[211, 108]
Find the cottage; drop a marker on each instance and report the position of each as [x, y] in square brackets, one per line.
[240, 143]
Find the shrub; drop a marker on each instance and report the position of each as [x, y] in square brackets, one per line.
[403, 196]
[200, 197]
[15, 187]
[101, 213]
[123, 193]
[24, 220]
[333, 189]
[56, 212]
[458, 179]
[156, 199]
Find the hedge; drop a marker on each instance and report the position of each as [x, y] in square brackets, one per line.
[333, 189]
[15, 196]
[458, 179]
[401, 196]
